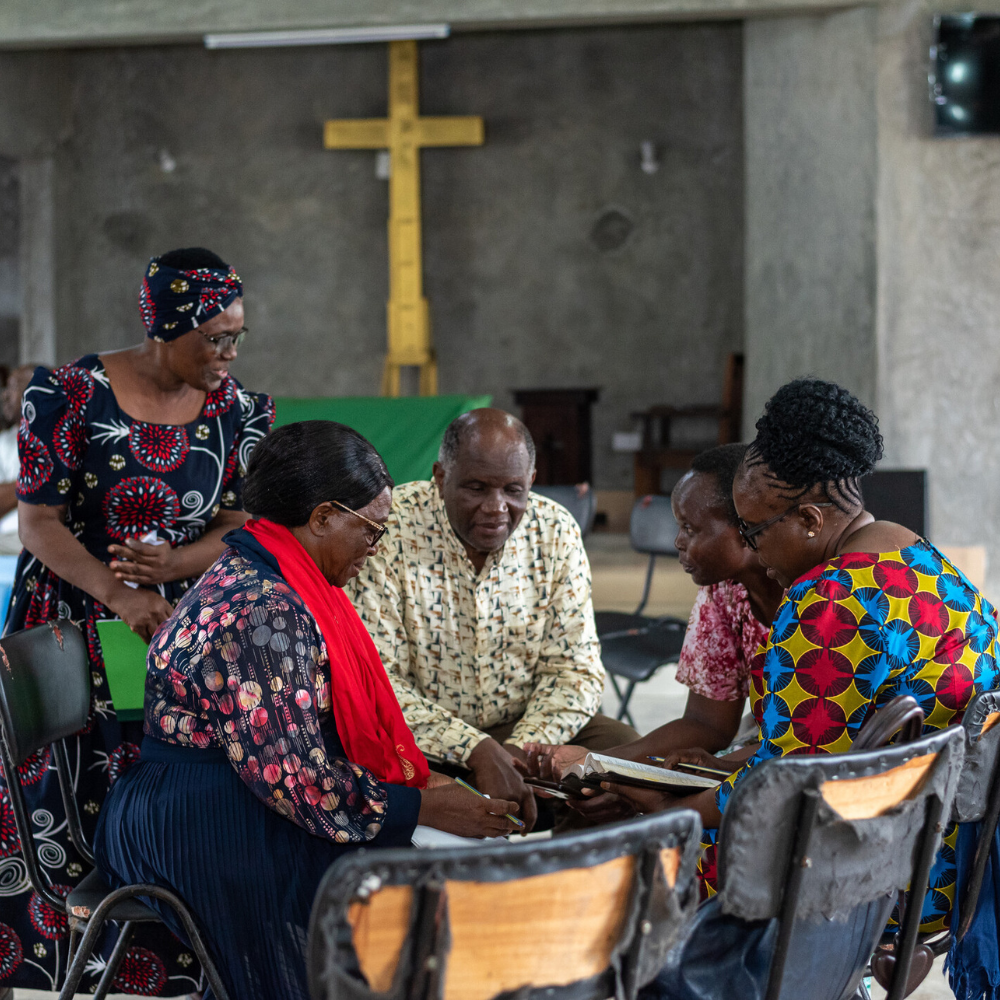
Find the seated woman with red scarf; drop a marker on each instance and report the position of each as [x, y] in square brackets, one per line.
[273, 740]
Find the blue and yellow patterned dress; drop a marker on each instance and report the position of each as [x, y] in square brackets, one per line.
[850, 636]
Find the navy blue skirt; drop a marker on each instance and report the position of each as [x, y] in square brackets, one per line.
[183, 819]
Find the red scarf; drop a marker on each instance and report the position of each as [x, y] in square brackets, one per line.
[369, 720]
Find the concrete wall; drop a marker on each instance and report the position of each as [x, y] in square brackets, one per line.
[939, 295]
[811, 169]
[39, 23]
[177, 146]
[34, 112]
[10, 271]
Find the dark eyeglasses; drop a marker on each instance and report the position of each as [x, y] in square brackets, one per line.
[748, 532]
[378, 530]
[227, 341]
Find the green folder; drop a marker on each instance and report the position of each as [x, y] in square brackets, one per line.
[125, 665]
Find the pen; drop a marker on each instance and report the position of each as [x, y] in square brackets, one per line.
[465, 784]
[717, 772]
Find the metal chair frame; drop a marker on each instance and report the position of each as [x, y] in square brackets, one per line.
[799, 861]
[902, 715]
[643, 937]
[89, 924]
[647, 628]
[972, 723]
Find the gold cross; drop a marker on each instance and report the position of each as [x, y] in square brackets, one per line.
[403, 133]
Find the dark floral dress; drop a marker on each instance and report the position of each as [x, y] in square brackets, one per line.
[119, 478]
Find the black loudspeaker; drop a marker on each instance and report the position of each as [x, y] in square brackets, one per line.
[898, 495]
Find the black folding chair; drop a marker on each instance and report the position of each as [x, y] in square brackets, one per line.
[977, 801]
[633, 645]
[44, 699]
[582, 917]
[820, 845]
[902, 716]
[583, 506]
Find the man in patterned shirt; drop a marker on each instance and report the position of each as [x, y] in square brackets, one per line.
[479, 603]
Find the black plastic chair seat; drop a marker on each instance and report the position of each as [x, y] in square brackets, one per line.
[619, 621]
[91, 892]
[638, 657]
[611, 623]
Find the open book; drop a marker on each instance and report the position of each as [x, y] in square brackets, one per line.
[597, 768]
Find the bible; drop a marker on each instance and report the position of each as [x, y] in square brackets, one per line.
[597, 768]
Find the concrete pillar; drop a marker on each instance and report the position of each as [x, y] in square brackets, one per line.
[811, 165]
[38, 257]
[938, 295]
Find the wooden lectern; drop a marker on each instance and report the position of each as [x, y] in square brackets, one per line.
[559, 421]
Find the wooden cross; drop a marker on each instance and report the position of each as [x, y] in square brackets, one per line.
[403, 133]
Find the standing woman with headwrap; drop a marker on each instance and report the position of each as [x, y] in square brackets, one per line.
[121, 453]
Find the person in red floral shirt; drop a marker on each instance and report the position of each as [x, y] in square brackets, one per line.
[730, 619]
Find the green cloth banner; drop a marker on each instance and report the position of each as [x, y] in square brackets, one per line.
[406, 430]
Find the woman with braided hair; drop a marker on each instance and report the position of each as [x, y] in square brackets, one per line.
[871, 610]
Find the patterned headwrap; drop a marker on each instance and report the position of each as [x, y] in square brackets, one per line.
[174, 302]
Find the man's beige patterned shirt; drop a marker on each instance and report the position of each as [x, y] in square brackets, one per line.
[466, 652]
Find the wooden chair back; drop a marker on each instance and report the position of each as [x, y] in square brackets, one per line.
[588, 915]
[805, 837]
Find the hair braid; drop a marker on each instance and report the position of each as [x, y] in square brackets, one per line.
[815, 433]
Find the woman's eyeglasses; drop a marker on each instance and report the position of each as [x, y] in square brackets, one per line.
[749, 532]
[227, 341]
[378, 530]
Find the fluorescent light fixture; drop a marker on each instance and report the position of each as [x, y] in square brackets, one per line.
[325, 36]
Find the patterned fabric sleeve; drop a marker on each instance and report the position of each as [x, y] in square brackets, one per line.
[807, 699]
[264, 714]
[569, 672]
[377, 595]
[257, 418]
[52, 438]
[712, 663]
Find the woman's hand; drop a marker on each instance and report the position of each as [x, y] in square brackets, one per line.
[455, 809]
[695, 755]
[145, 564]
[550, 762]
[142, 610]
[601, 807]
[642, 800]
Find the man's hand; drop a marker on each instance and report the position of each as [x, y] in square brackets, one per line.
[495, 774]
[142, 610]
[143, 564]
[550, 762]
